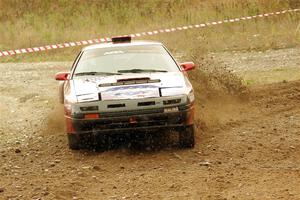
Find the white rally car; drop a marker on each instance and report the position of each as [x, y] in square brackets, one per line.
[127, 86]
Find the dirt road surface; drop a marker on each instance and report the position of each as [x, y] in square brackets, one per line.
[248, 140]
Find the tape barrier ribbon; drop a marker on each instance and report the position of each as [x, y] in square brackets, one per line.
[166, 30]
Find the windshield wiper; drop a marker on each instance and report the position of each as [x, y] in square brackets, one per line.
[95, 73]
[140, 70]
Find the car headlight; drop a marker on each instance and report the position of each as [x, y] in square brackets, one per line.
[69, 101]
[191, 96]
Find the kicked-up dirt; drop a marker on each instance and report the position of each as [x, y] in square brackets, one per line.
[248, 140]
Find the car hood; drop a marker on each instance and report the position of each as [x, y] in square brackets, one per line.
[129, 86]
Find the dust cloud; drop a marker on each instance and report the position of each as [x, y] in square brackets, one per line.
[55, 122]
[220, 94]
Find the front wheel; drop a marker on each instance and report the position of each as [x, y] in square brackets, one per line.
[74, 141]
[187, 137]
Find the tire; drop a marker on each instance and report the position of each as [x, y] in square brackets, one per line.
[74, 141]
[187, 137]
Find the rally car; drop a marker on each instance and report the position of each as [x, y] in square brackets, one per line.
[126, 86]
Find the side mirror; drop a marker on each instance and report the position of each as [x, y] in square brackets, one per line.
[187, 66]
[62, 76]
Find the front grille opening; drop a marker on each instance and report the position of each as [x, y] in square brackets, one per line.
[120, 105]
[147, 103]
[132, 81]
[89, 108]
[172, 101]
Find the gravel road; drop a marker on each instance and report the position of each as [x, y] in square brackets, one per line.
[246, 148]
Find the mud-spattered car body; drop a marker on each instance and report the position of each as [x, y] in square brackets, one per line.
[126, 86]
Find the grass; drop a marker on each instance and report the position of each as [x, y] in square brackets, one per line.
[248, 82]
[271, 76]
[29, 23]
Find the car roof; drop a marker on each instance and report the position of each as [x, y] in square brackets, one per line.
[122, 44]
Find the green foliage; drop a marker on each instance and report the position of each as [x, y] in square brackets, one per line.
[249, 82]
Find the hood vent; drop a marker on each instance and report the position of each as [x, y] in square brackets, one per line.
[134, 79]
[130, 81]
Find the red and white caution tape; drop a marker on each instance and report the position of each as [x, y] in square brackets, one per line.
[167, 30]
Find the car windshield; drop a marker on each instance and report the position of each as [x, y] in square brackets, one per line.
[125, 59]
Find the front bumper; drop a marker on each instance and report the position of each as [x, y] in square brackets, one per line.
[124, 122]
